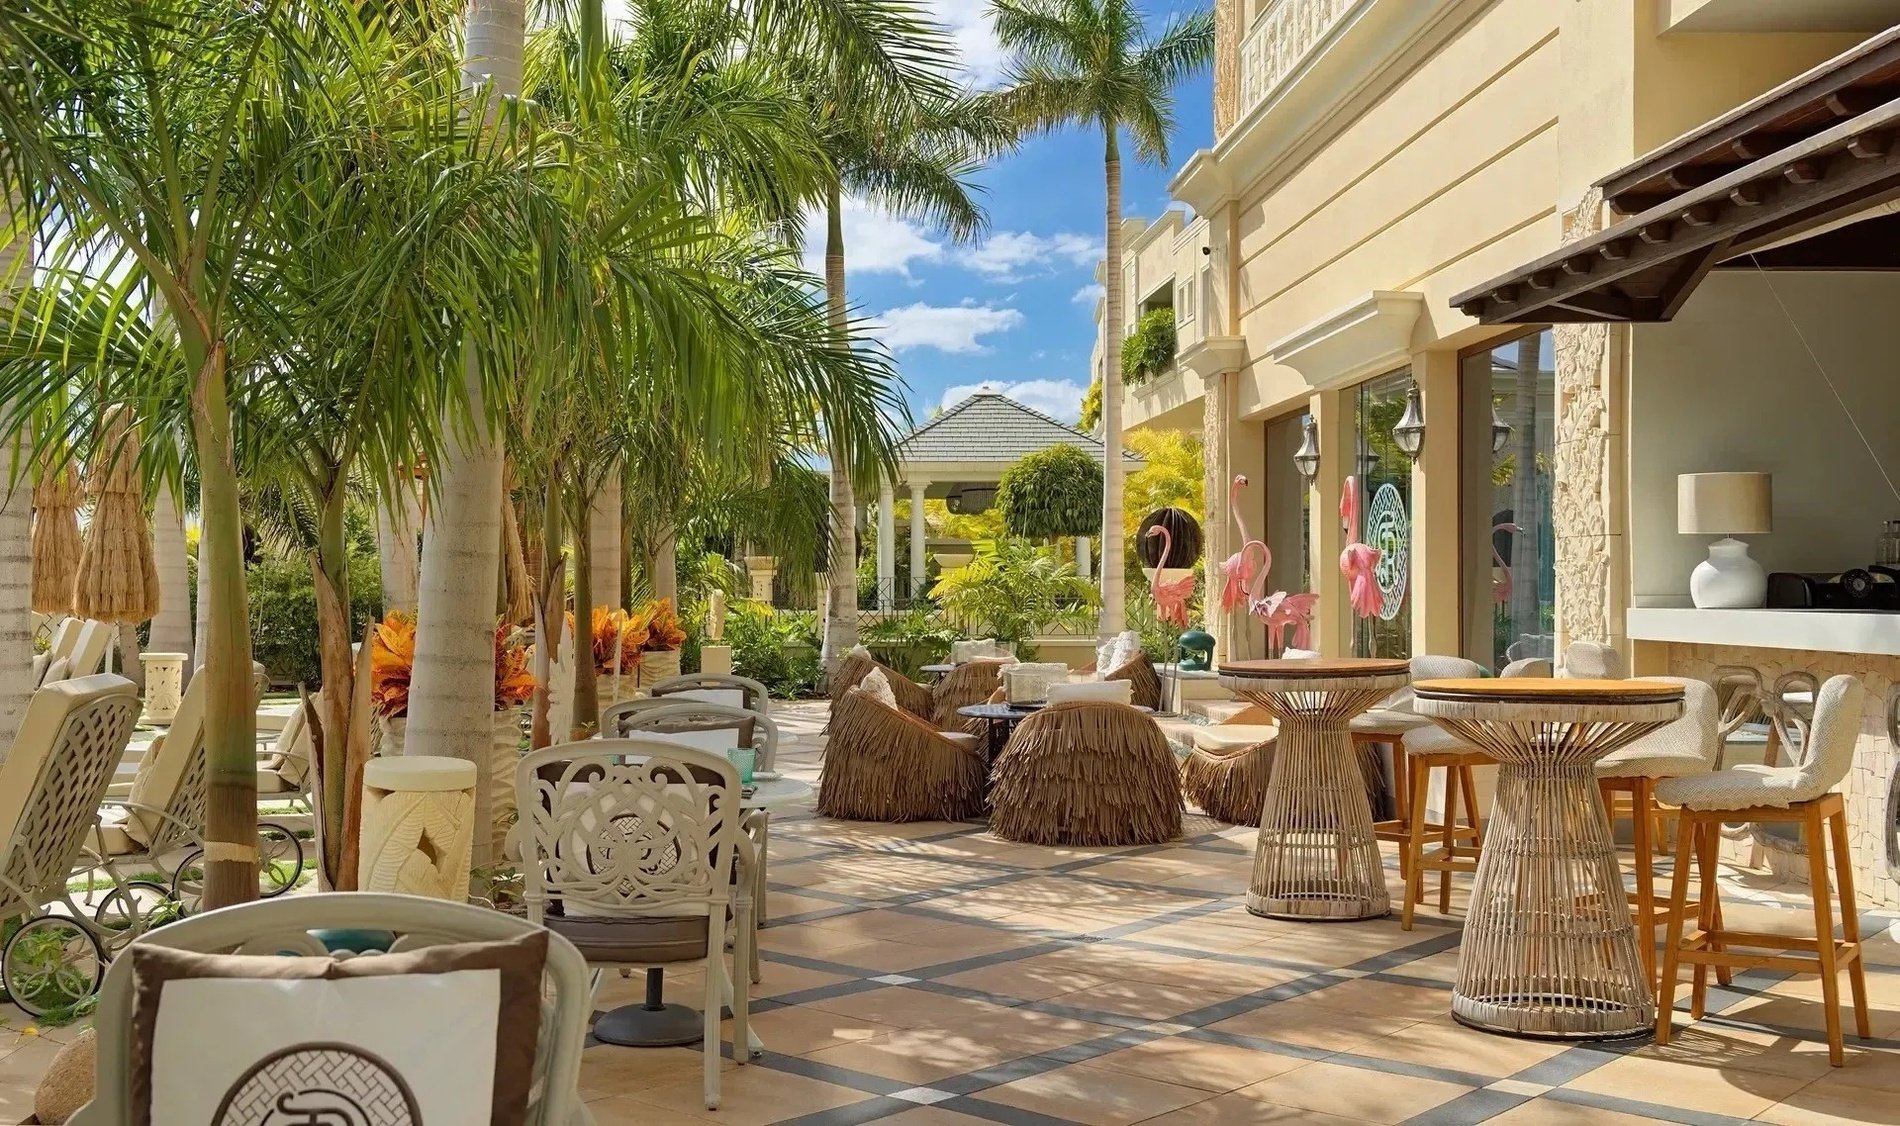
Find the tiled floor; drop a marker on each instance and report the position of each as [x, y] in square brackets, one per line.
[929, 975]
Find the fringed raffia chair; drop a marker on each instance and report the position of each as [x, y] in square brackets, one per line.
[885, 764]
[911, 696]
[1140, 671]
[1086, 772]
[1225, 773]
[971, 683]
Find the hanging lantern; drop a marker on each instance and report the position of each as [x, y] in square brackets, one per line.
[1500, 431]
[1306, 458]
[1409, 434]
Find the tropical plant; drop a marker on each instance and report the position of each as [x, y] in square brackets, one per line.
[1173, 474]
[1091, 409]
[1012, 590]
[393, 658]
[1149, 350]
[1053, 492]
[1091, 63]
[779, 649]
[284, 625]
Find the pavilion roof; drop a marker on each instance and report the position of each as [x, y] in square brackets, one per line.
[990, 427]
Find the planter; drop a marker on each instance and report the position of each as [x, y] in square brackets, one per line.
[390, 734]
[504, 755]
[657, 665]
[164, 685]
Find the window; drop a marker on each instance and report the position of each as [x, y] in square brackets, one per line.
[1509, 413]
[1385, 515]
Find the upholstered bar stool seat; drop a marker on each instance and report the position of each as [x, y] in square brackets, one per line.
[1801, 794]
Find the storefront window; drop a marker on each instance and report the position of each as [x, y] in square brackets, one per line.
[1510, 426]
[1385, 520]
[1288, 530]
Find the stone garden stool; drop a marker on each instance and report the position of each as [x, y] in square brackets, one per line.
[1317, 856]
[1549, 950]
[418, 826]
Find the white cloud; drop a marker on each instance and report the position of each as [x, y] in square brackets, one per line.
[968, 22]
[1088, 295]
[947, 328]
[1058, 398]
[1009, 256]
[875, 242]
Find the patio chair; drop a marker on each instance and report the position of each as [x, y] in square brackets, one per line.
[292, 926]
[1140, 671]
[284, 771]
[973, 682]
[158, 829]
[884, 764]
[1086, 772]
[83, 653]
[716, 688]
[615, 716]
[54, 776]
[1593, 660]
[630, 850]
[911, 696]
[1226, 770]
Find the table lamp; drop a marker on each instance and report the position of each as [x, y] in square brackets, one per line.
[1726, 505]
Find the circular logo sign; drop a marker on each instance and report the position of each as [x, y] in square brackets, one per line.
[1389, 529]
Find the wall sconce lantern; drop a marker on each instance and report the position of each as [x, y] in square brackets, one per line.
[1500, 431]
[1306, 458]
[1409, 434]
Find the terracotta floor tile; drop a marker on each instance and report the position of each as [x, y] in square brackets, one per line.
[1444, 1042]
[609, 1070]
[1153, 1001]
[1336, 1089]
[802, 1029]
[1314, 1026]
[919, 1056]
[778, 979]
[1024, 982]
[1551, 1112]
[902, 1007]
[1730, 1091]
[1241, 1109]
[931, 1116]
[1829, 1102]
[1379, 998]
[1094, 1096]
[1024, 1033]
[1709, 1044]
[752, 1096]
[629, 1111]
[1198, 1063]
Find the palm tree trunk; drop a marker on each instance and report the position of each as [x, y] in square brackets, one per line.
[452, 690]
[16, 558]
[548, 616]
[603, 542]
[1114, 564]
[663, 573]
[397, 518]
[586, 688]
[343, 754]
[841, 599]
[171, 626]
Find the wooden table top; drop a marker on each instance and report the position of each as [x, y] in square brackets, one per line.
[1549, 690]
[1316, 667]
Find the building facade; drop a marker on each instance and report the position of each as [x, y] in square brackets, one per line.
[1376, 163]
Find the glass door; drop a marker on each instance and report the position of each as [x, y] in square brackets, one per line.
[1385, 522]
[1509, 441]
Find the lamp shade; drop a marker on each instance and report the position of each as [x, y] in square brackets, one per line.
[1723, 504]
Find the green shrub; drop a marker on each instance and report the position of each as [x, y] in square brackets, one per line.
[1149, 350]
[284, 614]
[779, 650]
[1052, 492]
[909, 641]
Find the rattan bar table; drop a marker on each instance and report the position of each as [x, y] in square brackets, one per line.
[1316, 857]
[1549, 950]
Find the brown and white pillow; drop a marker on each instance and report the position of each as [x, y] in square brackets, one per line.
[439, 1034]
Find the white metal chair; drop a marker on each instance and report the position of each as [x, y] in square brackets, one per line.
[284, 770]
[285, 926]
[715, 688]
[51, 783]
[629, 848]
[1593, 660]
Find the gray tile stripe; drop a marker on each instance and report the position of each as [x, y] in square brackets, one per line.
[851, 1114]
[1468, 1108]
[1642, 1109]
[997, 1112]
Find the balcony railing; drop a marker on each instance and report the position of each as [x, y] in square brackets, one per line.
[1281, 39]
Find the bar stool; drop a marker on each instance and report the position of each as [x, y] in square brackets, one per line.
[1387, 725]
[1801, 794]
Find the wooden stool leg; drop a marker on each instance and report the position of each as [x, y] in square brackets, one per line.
[1708, 847]
[1415, 841]
[1642, 804]
[1468, 784]
[1672, 943]
[1850, 920]
[1449, 834]
[1824, 935]
[1723, 974]
[1402, 808]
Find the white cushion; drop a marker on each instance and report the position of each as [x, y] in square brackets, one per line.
[1233, 736]
[963, 652]
[1825, 760]
[1686, 745]
[878, 687]
[1387, 721]
[728, 697]
[1104, 653]
[1300, 654]
[1114, 691]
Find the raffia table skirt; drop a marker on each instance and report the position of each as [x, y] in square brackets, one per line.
[418, 826]
[1549, 950]
[1316, 857]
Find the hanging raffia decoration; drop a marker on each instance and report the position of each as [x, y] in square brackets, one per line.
[118, 577]
[518, 586]
[57, 546]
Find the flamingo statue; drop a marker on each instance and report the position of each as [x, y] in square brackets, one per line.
[1359, 560]
[1237, 570]
[1171, 598]
[1281, 612]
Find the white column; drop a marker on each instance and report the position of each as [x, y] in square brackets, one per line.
[1082, 558]
[886, 545]
[917, 538]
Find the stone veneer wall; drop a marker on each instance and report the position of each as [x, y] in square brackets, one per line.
[1870, 816]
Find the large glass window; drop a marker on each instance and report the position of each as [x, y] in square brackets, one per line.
[1509, 438]
[1385, 515]
[1288, 508]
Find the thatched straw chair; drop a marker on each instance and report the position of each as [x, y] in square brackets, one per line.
[1086, 772]
[1226, 772]
[911, 696]
[971, 683]
[885, 764]
[1140, 670]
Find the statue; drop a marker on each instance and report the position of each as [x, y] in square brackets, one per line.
[716, 616]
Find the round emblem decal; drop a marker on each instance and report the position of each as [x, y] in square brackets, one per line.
[319, 1085]
[1389, 529]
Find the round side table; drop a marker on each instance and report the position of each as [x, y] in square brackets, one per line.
[1317, 857]
[1549, 950]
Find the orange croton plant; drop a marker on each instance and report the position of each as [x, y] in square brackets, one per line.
[662, 626]
[392, 656]
[610, 626]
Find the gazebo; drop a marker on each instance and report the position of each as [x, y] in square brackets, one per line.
[959, 457]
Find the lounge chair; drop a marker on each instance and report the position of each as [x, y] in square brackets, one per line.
[1140, 671]
[911, 696]
[1086, 772]
[973, 682]
[884, 764]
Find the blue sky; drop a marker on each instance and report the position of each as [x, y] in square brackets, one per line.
[1015, 310]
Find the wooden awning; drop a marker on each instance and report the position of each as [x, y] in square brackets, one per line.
[1741, 191]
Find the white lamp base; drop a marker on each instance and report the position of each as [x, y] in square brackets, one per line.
[1728, 579]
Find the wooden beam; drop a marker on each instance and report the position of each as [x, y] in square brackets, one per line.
[1749, 195]
[1701, 215]
[1608, 305]
[1687, 275]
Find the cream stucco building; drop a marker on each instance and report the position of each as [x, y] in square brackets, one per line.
[1382, 214]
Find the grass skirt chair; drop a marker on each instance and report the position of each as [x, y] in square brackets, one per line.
[1140, 671]
[1229, 782]
[911, 696]
[1087, 772]
[974, 682]
[885, 764]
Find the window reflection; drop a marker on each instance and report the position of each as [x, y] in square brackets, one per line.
[1385, 515]
[1509, 440]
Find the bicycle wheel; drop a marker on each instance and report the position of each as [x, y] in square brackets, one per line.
[132, 909]
[51, 964]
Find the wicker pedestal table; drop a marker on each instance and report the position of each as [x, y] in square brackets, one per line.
[1549, 950]
[1316, 856]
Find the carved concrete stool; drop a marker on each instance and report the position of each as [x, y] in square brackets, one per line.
[418, 826]
[164, 685]
[1549, 950]
[1317, 856]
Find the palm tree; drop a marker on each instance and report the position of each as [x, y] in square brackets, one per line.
[16, 622]
[1091, 63]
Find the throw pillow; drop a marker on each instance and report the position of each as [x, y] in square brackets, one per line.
[877, 686]
[1105, 657]
[440, 1034]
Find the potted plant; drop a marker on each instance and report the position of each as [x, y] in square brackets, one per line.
[619, 642]
[662, 639]
[392, 657]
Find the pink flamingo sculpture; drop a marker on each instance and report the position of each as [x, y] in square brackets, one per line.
[1281, 612]
[1359, 560]
[1237, 570]
[1171, 598]
[1501, 588]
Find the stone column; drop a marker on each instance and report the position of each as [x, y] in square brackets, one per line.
[1338, 444]
[418, 821]
[917, 535]
[1437, 584]
[1217, 529]
[760, 570]
[886, 546]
